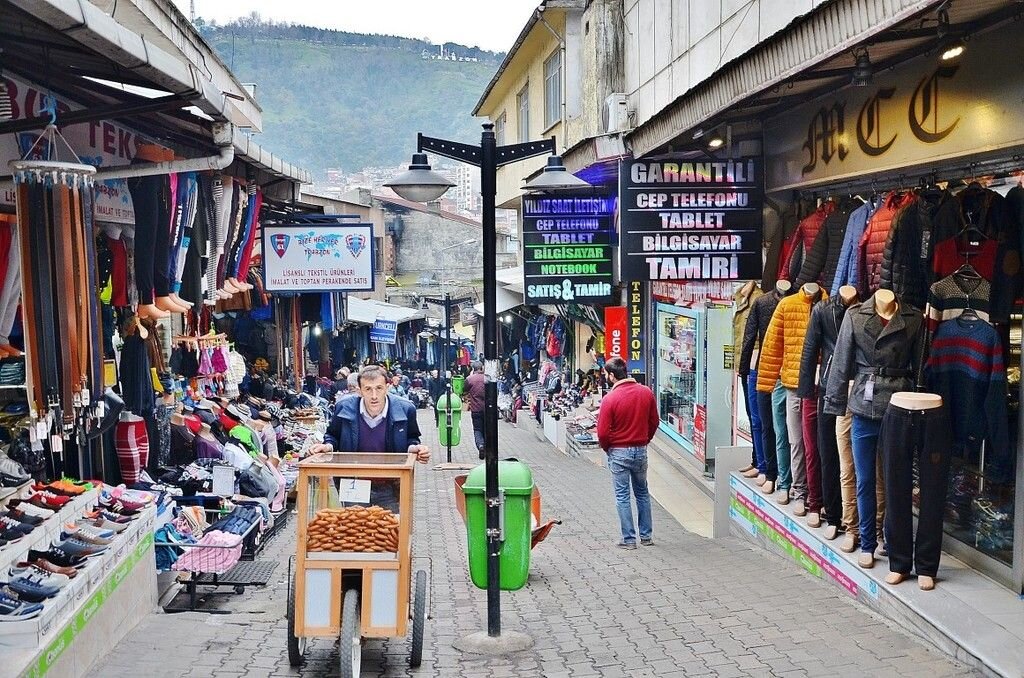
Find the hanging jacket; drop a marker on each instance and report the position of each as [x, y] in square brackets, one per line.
[819, 345]
[744, 300]
[887, 355]
[822, 259]
[777, 229]
[907, 259]
[757, 324]
[848, 268]
[784, 341]
[872, 243]
[802, 240]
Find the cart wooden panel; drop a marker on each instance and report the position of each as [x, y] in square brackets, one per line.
[321, 470]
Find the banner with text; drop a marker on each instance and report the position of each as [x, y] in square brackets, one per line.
[615, 332]
[691, 220]
[567, 248]
[321, 258]
[636, 309]
[384, 331]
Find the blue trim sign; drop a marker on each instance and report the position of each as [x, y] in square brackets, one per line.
[304, 258]
[384, 331]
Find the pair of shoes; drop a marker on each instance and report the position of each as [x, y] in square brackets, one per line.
[647, 542]
[13, 608]
[58, 556]
[47, 566]
[33, 586]
[627, 545]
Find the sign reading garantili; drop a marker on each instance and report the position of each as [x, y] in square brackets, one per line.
[923, 112]
[683, 220]
[567, 248]
[318, 258]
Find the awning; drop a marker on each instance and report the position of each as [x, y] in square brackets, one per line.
[366, 311]
[505, 299]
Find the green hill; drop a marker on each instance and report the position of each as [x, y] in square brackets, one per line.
[337, 99]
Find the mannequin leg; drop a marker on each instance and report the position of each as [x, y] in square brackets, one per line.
[798, 468]
[809, 428]
[865, 447]
[755, 424]
[934, 451]
[828, 453]
[771, 464]
[847, 483]
[898, 444]
[781, 443]
[745, 386]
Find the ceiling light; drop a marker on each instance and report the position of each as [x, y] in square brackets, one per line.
[715, 140]
[863, 71]
[953, 50]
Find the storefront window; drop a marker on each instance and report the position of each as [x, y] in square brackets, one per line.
[677, 373]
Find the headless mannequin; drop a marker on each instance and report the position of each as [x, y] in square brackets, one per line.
[909, 400]
[177, 419]
[810, 289]
[885, 304]
[207, 433]
[848, 293]
[781, 288]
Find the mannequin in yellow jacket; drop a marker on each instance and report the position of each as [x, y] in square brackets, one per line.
[780, 360]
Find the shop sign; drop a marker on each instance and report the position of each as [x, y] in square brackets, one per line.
[99, 143]
[567, 248]
[923, 112]
[616, 332]
[700, 431]
[694, 293]
[318, 258]
[384, 331]
[637, 309]
[687, 220]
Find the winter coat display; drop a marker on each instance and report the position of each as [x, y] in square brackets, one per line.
[802, 240]
[907, 259]
[871, 351]
[784, 341]
[744, 300]
[819, 345]
[822, 259]
[757, 324]
[848, 269]
[872, 243]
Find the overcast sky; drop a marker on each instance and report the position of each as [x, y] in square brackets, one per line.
[490, 24]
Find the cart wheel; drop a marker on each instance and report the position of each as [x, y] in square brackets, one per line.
[350, 647]
[296, 646]
[419, 619]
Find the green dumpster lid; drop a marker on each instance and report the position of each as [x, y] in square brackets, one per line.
[442, 402]
[514, 477]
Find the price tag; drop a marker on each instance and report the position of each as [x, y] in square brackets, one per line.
[41, 429]
[56, 443]
[353, 491]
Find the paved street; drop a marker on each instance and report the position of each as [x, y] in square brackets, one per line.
[688, 606]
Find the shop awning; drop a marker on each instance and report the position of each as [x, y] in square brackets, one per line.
[505, 298]
[366, 311]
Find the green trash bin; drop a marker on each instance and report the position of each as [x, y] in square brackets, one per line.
[442, 419]
[458, 384]
[516, 479]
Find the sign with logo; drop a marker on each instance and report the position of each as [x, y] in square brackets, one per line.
[689, 220]
[636, 309]
[99, 143]
[923, 112]
[567, 248]
[616, 333]
[384, 331]
[334, 257]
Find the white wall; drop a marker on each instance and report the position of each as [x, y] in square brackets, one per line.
[673, 45]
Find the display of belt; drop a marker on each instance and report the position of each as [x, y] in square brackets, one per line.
[888, 371]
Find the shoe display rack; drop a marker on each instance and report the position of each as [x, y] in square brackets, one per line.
[65, 638]
[10, 492]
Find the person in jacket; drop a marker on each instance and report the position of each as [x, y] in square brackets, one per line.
[626, 423]
[374, 421]
[474, 391]
[879, 348]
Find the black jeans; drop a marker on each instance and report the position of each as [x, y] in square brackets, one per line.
[771, 462]
[478, 430]
[746, 407]
[828, 453]
[144, 191]
[906, 436]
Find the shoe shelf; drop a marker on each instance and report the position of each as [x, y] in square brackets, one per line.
[41, 537]
[7, 493]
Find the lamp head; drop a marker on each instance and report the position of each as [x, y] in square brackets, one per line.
[419, 183]
[555, 178]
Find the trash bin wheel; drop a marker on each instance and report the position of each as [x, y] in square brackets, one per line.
[419, 619]
[296, 646]
[350, 647]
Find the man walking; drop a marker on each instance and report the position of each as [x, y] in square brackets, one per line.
[474, 392]
[626, 423]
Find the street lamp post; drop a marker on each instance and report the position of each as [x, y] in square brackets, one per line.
[422, 184]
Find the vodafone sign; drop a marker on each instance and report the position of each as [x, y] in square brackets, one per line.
[616, 330]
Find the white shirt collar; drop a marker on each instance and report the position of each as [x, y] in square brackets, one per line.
[373, 422]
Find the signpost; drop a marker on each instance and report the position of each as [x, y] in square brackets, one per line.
[384, 331]
[332, 257]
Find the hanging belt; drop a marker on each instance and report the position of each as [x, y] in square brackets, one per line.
[67, 322]
[27, 208]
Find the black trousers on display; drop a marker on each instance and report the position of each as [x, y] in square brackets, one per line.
[906, 436]
[746, 407]
[771, 463]
[144, 199]
[828, 453]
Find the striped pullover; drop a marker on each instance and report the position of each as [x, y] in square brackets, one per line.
[950, 297]
[965, 367]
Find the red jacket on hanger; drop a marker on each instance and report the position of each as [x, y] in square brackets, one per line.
[804, 235]
[872, 243]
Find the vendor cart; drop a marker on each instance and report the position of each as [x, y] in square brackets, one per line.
[351, 575]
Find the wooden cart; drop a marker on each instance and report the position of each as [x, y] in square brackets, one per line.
[353, 564]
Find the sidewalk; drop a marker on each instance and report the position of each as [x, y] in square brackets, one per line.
[688, 606]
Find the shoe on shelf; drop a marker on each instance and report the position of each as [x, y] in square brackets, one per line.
[57, 556]
[102, 524]
[118, 508]
[13, 609]
[44, 564]
[49, 578]
[108, 516]
[10, 536]
[49, 500]
[32, 588]
[78, 547]
[628, 545]
[89, 535]
[31, 509]
[12, 474]
[22, 517]
[16, 525]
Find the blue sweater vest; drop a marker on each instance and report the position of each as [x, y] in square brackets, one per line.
[373, 439]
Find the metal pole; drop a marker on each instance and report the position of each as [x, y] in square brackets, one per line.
[448, 387]
[488, 187]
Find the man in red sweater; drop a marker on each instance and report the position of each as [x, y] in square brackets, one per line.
[626, 423]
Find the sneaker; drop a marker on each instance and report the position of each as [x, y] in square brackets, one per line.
[31, 509]
[49, 578]
[12, 474]
[79, 547]
[16, 525]
[48, 500]
[13, 609]
[22, 517]
[117, 508]
[44, 564]
[627, 544]
[32, 588]
[89, 535]
[647, 542]
[108, 516]
[10, 536]
[102, 524]
[57, 556]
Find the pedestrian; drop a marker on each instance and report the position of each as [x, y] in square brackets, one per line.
[474, 389]
[626, 423]
[397, 388]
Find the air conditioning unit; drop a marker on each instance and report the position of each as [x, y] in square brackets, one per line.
[615, 116]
